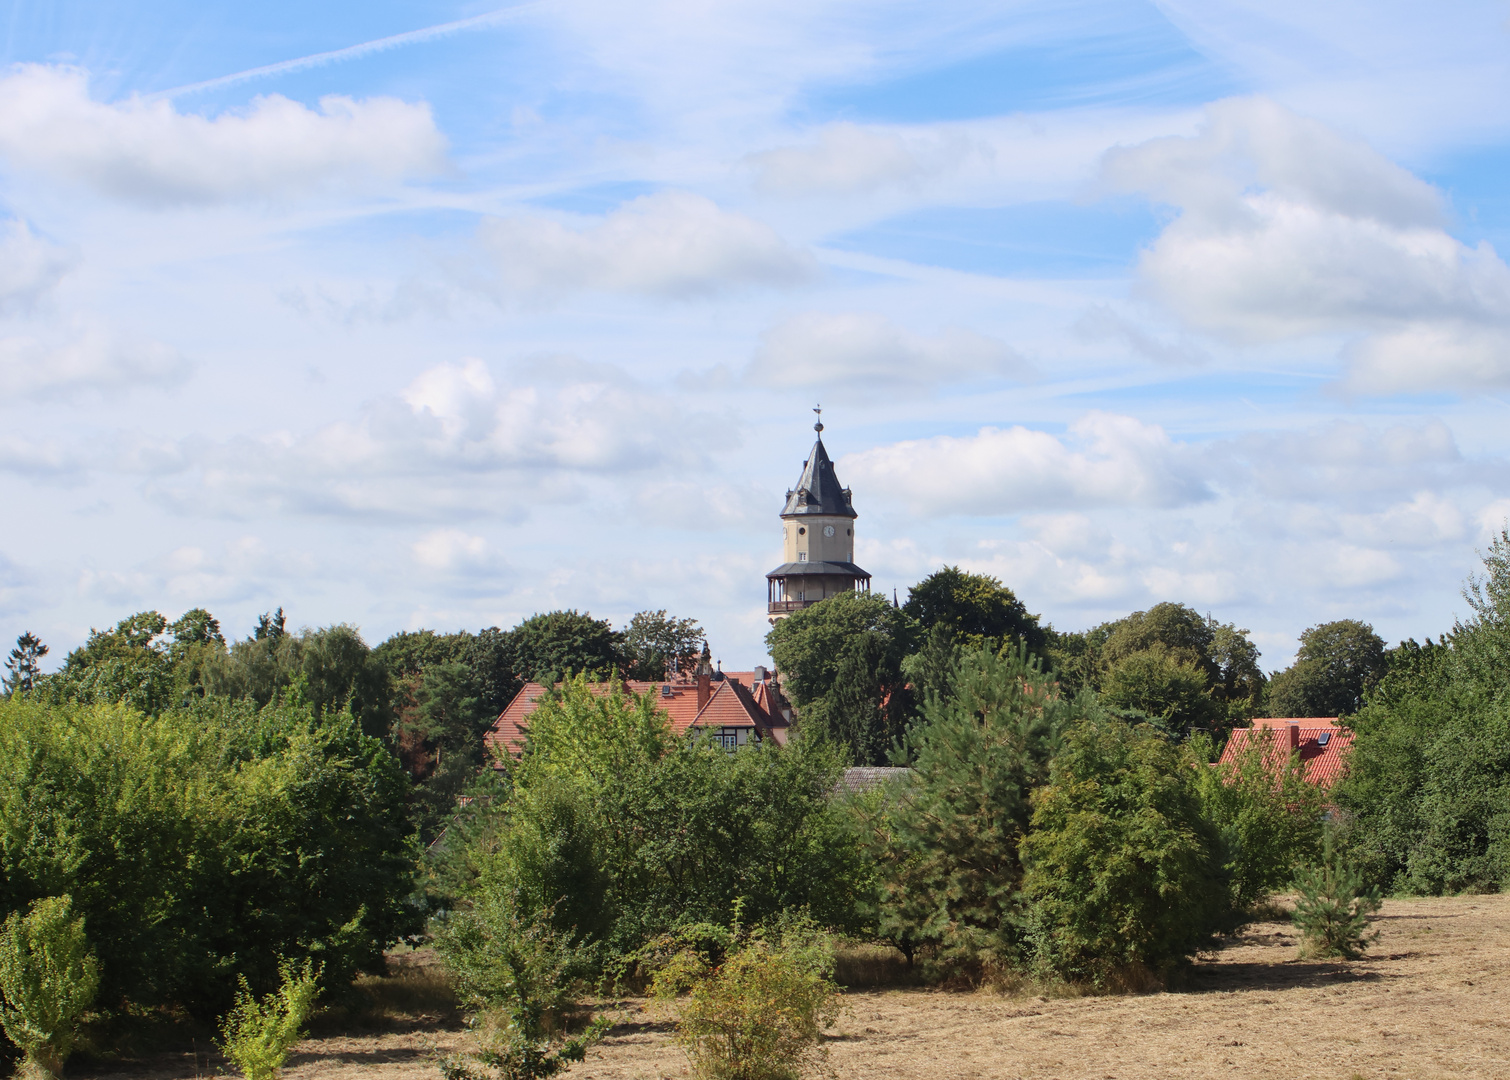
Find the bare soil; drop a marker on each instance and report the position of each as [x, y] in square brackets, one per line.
[1430, 1001]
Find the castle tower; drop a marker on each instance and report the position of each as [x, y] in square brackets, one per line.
[818, 523]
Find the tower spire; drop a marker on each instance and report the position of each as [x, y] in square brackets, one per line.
[818, 427]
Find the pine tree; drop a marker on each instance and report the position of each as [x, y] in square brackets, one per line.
[1332, 912]
[24, 664]
[948, 843]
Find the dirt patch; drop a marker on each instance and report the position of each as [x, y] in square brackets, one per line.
[1427, 1003]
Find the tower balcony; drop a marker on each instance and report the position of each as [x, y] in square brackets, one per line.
[794, 586]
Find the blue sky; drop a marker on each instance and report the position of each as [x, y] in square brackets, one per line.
[436, 315]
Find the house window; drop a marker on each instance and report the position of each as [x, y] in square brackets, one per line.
[802, 556]
[727, 739]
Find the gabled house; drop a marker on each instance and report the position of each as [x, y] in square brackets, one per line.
[1321, 743]
[735, 708]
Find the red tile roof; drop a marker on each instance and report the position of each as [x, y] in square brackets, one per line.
[731, 704]
[1321, 742]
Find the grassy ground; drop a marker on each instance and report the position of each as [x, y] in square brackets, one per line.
[1428, 1003]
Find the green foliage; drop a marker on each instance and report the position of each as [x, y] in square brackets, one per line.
[205, 841]
[946, 843]
[1426, 798]
[329, 669]
[1337, 662]
[127, 664]
[270, 624]
[1157, 683]
[256, 1036]
[409, 652]
[546, 857]
[657, 645]
[521, 977]
[1123, 869]
[841, 663]
[24, 664]
[1268, 814]
[562, 642]
[49, 977]
[626, 832]
[439, 737]
[1333, 908]
[490, 656]
[978, 610]
[1169, 664]
[760, 1013]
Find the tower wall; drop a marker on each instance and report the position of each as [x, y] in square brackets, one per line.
[807, 534]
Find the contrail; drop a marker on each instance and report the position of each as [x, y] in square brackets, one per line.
[353, 52]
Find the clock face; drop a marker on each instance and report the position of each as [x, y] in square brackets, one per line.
[828, 530]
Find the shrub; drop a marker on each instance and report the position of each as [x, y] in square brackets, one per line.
[520, 977]
[1123, 869]
[202, 842]
[760, 1014]
[1333, 909]
[49, 976]
[256, 1036]
[1268, 814]
[946, 842]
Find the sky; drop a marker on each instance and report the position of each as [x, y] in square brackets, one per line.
[438, 314]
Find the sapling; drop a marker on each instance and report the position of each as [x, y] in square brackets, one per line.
[256, 1036]
[49, 976]
[1333, 909]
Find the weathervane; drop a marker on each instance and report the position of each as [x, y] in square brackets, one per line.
[818, 427]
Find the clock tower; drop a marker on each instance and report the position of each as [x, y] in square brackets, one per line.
[818, 526]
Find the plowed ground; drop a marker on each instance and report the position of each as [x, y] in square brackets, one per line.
[1431, 1001]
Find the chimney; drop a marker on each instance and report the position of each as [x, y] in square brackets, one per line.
[704, 689]
[1294, 736]
[760, 673]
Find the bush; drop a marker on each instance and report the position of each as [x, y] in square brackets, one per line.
[1333, 909]
[1268, 814]
[48, 975]
[520, 977]
[1123, 869]
[946, 842]
[256, 1036]
[759, 1015]
[203, 842]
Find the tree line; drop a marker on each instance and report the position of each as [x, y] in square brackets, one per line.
[215, 810]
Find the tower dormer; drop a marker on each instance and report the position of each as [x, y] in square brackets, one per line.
[818, 538]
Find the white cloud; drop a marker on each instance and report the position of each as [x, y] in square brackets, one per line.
[33, 459]
[147, 152]
[92, 363]
[846, 158]
[1101, 323]
[1288, 229]
[453, 444]
[1106, 460]
[455, 552]
[29, 266]
[1343, 464]
[863, 348]
[671, 244]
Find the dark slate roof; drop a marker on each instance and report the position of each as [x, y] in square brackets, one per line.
[814, 569]
[819, 490]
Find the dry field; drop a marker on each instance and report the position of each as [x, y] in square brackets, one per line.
[1430, 1002]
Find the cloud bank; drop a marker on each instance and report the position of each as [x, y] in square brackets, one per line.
[865, 349]
[669, 245]
[149, 153]
[1288, 229]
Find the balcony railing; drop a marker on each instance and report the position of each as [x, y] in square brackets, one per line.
[786, 607]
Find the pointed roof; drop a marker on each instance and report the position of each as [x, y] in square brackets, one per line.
[819, 490]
